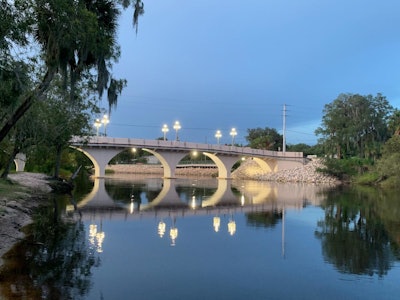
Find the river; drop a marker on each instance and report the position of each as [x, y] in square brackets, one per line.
[192, 238]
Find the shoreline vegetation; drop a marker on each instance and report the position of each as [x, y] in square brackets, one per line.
[24, 192]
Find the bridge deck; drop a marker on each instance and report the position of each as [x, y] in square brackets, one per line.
[110, 142]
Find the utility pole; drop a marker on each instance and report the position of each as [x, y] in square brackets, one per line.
[284, 129]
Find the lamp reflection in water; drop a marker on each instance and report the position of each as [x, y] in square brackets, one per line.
[132, 206]
[231, 226]
[96, 238]
[173, 233]
[242, 200]
[161, 228]
[216, 223]
[193, 203]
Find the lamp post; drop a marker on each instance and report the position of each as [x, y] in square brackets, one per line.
[177, 126]
[97, 124]
[105, 121]
[233, 133]
[218, 135]
[165, 129]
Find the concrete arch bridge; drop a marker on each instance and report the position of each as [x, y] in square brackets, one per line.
[101, 150]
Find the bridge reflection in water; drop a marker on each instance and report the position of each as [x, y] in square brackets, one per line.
[170, 199]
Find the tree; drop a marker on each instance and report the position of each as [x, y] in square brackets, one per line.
[388, 165]
[355, 125]
[394, 122]
[72, 37]
[267, 138]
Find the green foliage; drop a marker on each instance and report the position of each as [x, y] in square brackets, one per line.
[267, 138]
[344, 169]
[355, 125]
[369, 178]
[129, 156]
[394, 122]
[306, 149]
[388, 165]
[74, 39]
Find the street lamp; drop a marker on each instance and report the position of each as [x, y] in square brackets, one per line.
[218, 135]
[105, 121]
[97, 124]
[233, 133]
[177, 126]
[165, 129]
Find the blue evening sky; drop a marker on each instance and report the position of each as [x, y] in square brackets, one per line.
[221, 64]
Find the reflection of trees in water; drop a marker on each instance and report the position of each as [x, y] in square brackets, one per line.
[353, 234]
[186, 193]
[264, 219]
[82, 184]
[122, 192]
[55, 261]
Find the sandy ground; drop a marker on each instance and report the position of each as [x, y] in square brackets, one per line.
[15, 214]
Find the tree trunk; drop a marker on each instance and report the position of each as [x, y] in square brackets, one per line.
[27, 103]
[7, 167]
[58, 161]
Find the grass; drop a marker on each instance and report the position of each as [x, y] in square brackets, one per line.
[11, 191]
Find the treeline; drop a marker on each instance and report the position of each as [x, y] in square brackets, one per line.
[56, 62]
[359, 140]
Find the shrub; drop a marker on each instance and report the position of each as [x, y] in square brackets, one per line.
[344, 169]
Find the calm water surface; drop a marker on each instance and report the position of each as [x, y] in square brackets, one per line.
[208, 239]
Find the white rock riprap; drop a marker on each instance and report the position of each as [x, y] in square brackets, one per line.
[307, 173]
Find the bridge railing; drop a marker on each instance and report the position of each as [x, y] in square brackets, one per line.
[103, 141]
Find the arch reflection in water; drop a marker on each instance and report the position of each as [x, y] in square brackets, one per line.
[195, 195]
[170, 199]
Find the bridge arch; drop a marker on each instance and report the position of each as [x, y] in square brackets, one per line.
[169, 160]
[99, 158]
[19, 161]
[224, 164]
[266, 165]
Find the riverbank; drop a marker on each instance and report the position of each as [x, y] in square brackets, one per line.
[17, 204]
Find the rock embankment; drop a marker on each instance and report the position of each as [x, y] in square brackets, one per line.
[307, 173]
[249, 169]
[158, 169]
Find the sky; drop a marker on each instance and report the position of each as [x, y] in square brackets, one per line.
[215, 65]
